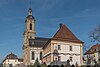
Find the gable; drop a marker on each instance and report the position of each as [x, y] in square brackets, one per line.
[66, 35]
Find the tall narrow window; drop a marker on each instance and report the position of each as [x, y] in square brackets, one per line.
[70, 48]
[59, 47]
[30, 26]
[40, 55]
[59, 58]
[71, 59]
[33, 55]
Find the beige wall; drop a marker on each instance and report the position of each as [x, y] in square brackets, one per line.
[76, 53]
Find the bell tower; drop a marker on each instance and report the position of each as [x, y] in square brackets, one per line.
[29, 32]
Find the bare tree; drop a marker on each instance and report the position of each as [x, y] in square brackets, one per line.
[95, 34]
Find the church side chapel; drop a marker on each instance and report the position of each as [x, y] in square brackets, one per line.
[63, 46]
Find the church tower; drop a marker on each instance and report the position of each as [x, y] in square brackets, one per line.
[28, 34]
[32, 47]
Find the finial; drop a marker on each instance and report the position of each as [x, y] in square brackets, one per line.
[30, 11]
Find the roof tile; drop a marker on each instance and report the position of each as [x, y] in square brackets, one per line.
[65, 34]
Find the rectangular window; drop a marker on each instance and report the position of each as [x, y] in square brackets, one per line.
[33, 55]
[59, 58]
[71, 59]
[59, 47]
[70, 48]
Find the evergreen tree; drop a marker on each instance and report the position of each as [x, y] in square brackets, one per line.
[36, 63]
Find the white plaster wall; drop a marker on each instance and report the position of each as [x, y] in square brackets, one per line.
[64, 58]
[65, 49]
[76, 59]
[37, 54]
[11, 61]
[91, 56]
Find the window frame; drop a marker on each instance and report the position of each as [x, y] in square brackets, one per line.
[71, 58]
[70, 48]
[59, 47]
[32, 55]
[40, 55]
[30, 26]
[59, 58]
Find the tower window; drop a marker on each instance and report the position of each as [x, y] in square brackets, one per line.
[33, 55]
[40, 55]
[30, 26]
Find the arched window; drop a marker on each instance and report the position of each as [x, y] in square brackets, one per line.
[40, 55]
[30, 26]
[33, 56]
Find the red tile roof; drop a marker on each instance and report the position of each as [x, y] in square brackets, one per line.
[93, 49]
[66, 35]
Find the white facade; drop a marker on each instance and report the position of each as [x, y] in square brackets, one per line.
[92, 57]
[11, 63]
[36, 54]
[65, 53]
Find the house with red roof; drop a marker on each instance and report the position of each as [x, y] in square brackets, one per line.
[63, 46]
[92, 55]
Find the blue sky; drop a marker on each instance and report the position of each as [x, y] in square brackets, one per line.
[80, 16]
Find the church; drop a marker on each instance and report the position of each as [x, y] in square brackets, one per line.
[63, 46]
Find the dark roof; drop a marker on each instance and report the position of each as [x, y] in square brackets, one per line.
[66, 35]
[11, 56]
[38, 41]
[30, 14]
[20, 59]
[95, 48]
[30, 17]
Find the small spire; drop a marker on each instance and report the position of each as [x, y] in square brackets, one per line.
[30, 11]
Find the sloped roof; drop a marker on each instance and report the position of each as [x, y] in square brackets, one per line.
[38, 41]
[20, 59]
[11, 56]
[66, 35]
[95, 48]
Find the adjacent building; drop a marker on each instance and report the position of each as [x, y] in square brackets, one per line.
[63, 46]
[12, 60]
[67, 46]
[92, 55]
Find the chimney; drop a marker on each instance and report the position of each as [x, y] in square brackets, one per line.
[60, 25]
